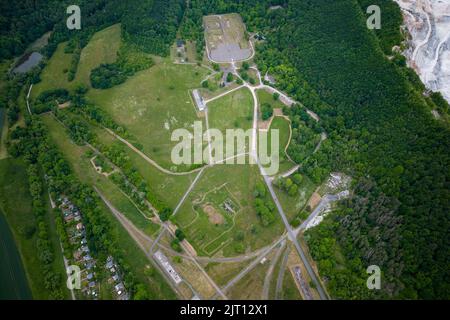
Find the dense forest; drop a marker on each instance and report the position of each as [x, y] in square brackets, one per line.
[150, 24]
[22, 22]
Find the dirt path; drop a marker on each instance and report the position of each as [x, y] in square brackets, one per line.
[281, 274]
[268, 278]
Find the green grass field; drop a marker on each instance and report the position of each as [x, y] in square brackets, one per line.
[233, 111]
[53, 75]
[235, 182]
[102, 48]
[265, 97]
[283, 127]
[152, 104]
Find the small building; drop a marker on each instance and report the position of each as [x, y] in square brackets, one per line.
[109, 265]
[87, 258]
[270, 79]
[119, 288]
[198, 100]
[180, 43]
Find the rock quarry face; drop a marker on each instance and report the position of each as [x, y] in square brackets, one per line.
[428, 52]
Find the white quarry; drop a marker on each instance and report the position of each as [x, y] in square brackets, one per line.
[428, 52]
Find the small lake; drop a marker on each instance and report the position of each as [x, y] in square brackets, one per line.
[13, 280]
[28, 62]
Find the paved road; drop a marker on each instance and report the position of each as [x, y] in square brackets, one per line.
[252, 265]
[292, 236]
[224, 94]
[267, 180]
[180, 203]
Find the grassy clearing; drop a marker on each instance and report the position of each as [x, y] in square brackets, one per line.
[168, 188]
[233, 30]
[102, 48]
[152, 104]
[3, 133]
[53, 75]
[232, 111]
[15, 202]
[283, 127]
[265, 97]
[239, 232]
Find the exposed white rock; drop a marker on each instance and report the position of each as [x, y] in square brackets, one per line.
[428, 52]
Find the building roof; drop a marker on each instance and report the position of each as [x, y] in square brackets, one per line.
[198, 100]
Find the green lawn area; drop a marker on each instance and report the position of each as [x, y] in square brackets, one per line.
[15, 202]
[265, 97]
[227, 238]
[152, 104]
[232, 111]
[283, 126]
[53, 75]
[102, 48]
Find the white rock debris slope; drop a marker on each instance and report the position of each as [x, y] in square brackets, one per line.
[428, 22]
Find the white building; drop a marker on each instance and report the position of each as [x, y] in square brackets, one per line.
[198, 100]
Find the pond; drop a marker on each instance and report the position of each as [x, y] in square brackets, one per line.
[28, 62]
[14, 284]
